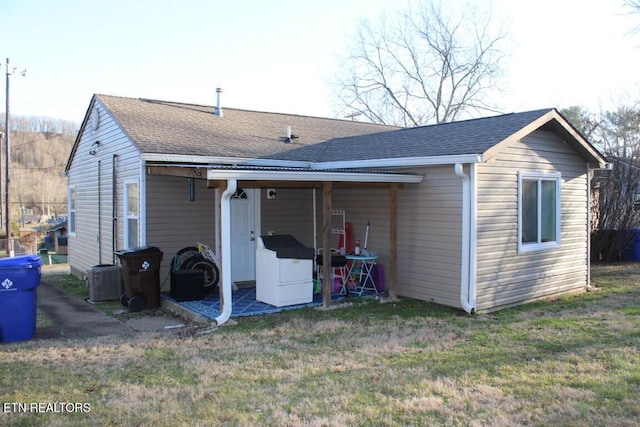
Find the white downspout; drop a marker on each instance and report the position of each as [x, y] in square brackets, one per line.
[225, 250]
[467, 279]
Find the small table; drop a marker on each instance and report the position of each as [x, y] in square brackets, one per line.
[362, 266]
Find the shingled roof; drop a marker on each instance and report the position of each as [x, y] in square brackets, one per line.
[163, 127]
[474, 136]
[179, 129]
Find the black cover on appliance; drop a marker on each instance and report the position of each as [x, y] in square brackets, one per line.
[336, 260]
[286, 246]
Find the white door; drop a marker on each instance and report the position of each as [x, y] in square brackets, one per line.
[243, 238]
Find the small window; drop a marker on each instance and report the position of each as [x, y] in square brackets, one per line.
[72, 210]
[239, 194]
[636, 202]
[132, 207]
[538, 211]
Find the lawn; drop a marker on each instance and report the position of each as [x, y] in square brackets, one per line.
[570, 362]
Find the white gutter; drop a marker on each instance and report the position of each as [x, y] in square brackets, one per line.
[142, 215]
[285, 175]
[468, 279]
[399, 162]
[225, 250]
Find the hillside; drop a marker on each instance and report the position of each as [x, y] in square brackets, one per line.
[39, 148]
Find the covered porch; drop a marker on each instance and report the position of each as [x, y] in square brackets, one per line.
[322, 183]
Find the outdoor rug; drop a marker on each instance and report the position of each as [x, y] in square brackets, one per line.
[244, 303]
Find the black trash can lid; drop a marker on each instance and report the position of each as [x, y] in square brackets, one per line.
[140, 250]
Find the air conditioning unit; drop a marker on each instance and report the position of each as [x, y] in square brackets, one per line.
[105, 283]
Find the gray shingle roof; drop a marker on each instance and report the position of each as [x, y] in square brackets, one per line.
[163, 127]
[447, 139]
[175, 128]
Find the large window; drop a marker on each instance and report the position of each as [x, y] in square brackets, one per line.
[538, 211]
[72, 211]
[132, 207]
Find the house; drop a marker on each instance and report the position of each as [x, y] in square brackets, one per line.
[480, 214]
[57, 238]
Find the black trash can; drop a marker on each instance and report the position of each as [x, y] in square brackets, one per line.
[141, 277]
[19, 280]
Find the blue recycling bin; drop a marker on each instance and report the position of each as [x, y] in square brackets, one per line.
[19, 279]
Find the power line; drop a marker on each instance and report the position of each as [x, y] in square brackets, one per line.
[38, 168]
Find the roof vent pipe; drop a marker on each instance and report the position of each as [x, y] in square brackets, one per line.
[218, 111]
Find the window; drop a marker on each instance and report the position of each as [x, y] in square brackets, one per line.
[132, 209]
[636, 202]
[239, 194]
[72, 210]
[538, 211]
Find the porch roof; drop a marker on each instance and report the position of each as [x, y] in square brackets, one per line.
[248, 173]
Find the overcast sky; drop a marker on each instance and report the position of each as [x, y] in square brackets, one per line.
[279, 55]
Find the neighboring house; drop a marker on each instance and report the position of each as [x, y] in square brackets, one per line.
[57, 238]
[480, 214]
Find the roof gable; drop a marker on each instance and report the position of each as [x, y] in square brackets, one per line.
[553, 121]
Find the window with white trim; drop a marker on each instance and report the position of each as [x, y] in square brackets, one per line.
[132, 206]
[538, 211]
[72, 210]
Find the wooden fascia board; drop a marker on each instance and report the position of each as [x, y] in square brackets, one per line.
[184, 172]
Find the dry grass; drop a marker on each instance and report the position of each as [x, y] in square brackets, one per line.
[571, 362]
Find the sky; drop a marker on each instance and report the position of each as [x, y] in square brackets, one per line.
[281, 55]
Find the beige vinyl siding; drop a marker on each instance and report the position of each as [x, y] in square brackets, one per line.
[429, 232]
[429, 237]
[361, 205]
[291, 212]
[504, 276]
[92, 242]
[174, 222]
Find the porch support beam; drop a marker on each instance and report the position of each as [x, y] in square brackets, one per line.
[393, 242]
[298, 184]
[326, 245]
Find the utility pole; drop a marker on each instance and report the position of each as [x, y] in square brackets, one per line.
[6, 145]
[7, 150]
[10, 251]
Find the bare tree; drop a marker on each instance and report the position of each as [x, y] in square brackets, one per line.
[425, 65]
[633, 6]
[615, 193]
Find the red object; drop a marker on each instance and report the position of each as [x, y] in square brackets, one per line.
[348, 232]
[356, 250]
